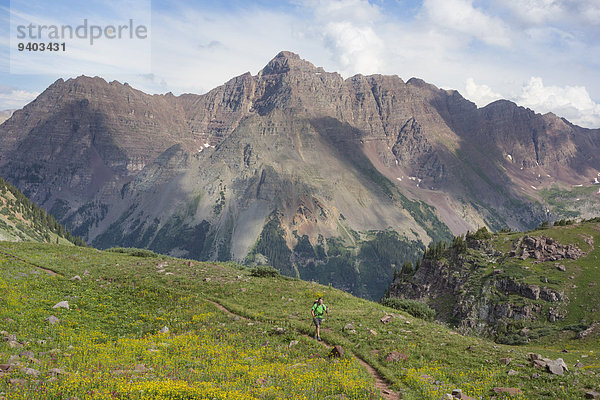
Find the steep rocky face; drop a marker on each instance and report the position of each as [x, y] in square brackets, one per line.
[329, 160]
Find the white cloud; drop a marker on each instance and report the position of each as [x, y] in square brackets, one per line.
[348, 30]
[481, 95]
[356, 49]
[461, 16]
[535, 11]
[572, 102]
[11, 98]
[554, 11]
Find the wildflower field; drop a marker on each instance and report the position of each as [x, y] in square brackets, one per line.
[108, 345]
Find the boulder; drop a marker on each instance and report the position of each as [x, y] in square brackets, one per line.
[396, 356]
[337, 351]
[31, 371]
[53, 320]
[62, 304]
[556, 367]
[57, 371]
[386, 319]
[505, 361]
[6, 367]
[9, 338]
[592, 395]
[164, 330]
[550, 295]
[75, 278]
[458, 394]
[293, 343]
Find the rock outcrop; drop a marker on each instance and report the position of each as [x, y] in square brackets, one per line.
[469, 287]
[544, 249]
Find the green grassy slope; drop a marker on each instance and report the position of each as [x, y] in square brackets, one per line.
[22, 220]
[108, 343]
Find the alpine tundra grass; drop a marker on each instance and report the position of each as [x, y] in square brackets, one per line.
[112, 343]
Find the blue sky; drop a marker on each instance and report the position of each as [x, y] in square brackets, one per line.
[542, 54]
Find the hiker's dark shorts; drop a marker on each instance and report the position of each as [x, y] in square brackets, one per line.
[317, 321]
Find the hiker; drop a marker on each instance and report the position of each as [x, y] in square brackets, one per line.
[317, 312]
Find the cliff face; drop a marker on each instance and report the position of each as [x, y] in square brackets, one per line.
[510, 286]
[327, 157]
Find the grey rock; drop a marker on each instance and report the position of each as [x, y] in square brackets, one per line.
[556, 367]
[164, 330]
[588, 331]
[6, 367]
[57, 371]
[30, 371]
[337, 351]
[10, 338]
[53, 320]
[62, 304]
[395, 356]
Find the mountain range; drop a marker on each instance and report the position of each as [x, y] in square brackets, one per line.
[337, 180]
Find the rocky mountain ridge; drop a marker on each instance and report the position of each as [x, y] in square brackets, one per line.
[331, 161]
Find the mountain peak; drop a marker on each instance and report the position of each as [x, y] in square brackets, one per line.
[286, 61]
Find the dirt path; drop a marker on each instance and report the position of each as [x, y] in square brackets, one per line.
[380, 383]
[46, 270]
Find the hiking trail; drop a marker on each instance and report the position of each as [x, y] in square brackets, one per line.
[380, 383]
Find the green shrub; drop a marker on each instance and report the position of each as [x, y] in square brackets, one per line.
[415, 308]
[133, 251]
[263, 271]
[564, 222]
[576, 327]
[513, 339]
[481, 234]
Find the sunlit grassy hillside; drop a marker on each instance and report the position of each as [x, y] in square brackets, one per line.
[108, 343]
[22, 220]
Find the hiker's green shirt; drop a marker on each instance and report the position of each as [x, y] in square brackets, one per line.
[319, 309]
